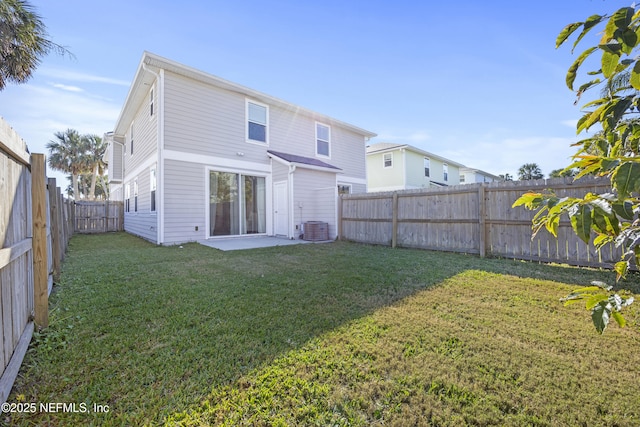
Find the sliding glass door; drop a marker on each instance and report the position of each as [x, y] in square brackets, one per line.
[237, 204]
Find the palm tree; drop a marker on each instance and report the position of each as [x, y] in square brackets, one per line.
[23, 41]
[69, 154]
[95, 162]
[530, 171]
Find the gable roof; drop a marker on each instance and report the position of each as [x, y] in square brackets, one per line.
[381, 147]
[304, 162]
[151, 64]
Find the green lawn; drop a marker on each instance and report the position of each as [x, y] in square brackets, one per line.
[326, 334]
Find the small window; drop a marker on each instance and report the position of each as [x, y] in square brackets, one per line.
[151, 103]
[344, 189]
[135, 195]
[445, 169]
[427, 167]
[462, 178]
[387, 160]
[131, 138]
[323, 139]
[257, 118]
[152, 187]
[127, 197]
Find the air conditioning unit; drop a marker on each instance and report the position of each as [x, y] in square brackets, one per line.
[316, 231]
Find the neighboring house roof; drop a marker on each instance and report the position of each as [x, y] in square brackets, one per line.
[386, 146]
[480, 172]
[305, 162]
[147, 72]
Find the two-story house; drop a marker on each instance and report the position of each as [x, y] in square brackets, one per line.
[393, 167]
[194, 156]
[474, 176]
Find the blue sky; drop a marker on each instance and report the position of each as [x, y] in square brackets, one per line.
[480, 83]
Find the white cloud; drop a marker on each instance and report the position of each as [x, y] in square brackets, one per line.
[67, 88]
[75, 76]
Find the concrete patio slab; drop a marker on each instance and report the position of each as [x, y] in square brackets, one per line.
[252, 242]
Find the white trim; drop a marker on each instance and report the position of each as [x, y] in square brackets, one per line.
[152, 103]
[230, 164]
[248, 101]
[324, 156]
[140, 168]
[351, 180]
[153, 178]
[160, 165]
[268, 200]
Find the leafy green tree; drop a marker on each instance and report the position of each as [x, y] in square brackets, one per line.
[506, 177]
[23, 41]
[612, 152]
[560, 173]
[529, 171]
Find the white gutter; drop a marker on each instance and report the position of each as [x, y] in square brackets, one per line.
[160, 165]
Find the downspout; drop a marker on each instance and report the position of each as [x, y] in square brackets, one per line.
[160, 163]
[291, 232]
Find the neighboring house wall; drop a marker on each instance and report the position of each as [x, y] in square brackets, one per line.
[407, 170]
[382, 178]
[473, 176]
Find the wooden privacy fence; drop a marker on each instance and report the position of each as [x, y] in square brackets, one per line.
[473, 218]
[35, 227]
[98, 216]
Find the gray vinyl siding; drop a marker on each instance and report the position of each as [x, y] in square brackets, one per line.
[143, 223]
[206, 120]
[296, 134]
[316, 191]
[279, 172]
[145, 137]
[184, 202]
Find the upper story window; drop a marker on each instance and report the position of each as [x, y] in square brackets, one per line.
[427, 167]
[445, 169]
[463, 178]
[387, 160]
[131, 138]
[323, 140]
[151, 103]
[257, 119]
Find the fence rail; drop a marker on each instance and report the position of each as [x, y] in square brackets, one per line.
[35, 226]
[474, 218]
[98, 216]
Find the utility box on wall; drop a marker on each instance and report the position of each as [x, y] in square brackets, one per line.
[316, 231]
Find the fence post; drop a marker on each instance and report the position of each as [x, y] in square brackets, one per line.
[394, 220]
[54, 215]
[482, 225]
[39, 241]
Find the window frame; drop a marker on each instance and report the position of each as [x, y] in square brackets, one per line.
[384, 161]
[135, 195]
[247, 121]
[127, 198]
[327, 141]
[347, 186]
[131, 138]
[151, 102]
[153, 185]
[445, 172]
[427, 167]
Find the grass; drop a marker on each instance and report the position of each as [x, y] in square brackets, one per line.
[329, 334]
